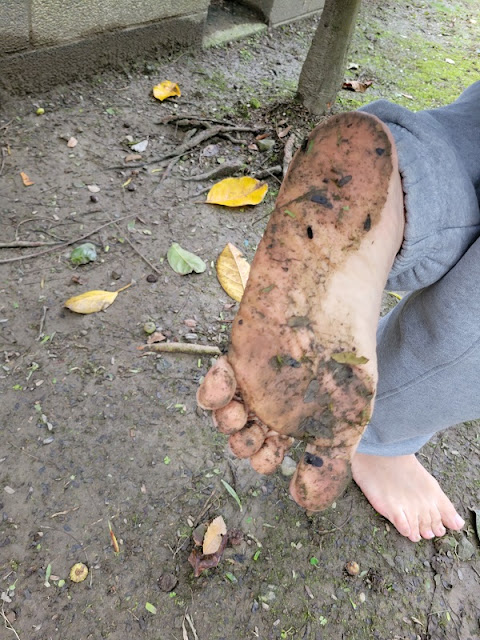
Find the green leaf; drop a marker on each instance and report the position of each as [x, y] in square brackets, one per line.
[166, 460]
[314, 561]
[348, 357]
[48, 573]
[233, 493]
[151, 608]
[256, 555]
[183, 261]
[83, 254]
[60, 583]
[231, 577]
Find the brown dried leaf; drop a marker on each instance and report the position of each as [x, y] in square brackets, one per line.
[356, 85]
[156, 337]
[232, 271]
[214, 535]
[25, 179]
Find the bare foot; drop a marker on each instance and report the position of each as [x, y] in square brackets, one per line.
[303, 355]
[403, 491]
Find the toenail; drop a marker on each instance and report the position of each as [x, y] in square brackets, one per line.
[459, 522]
[314, 460]
[429, 534]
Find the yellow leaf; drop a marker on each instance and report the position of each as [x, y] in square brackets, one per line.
[232, 271]
[93, 301]
[236, 192]
[395, 295]
[213, 536]
[348, 357]
[166, 89]
[25, 179]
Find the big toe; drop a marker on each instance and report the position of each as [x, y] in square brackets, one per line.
[319, 479]
[218, 387]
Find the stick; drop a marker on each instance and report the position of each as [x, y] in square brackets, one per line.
[64, 244]
[146, 260]
[288, 152]
[7, 623]
[42, 322]
[183, 347]
[217, 172]
[26, 243]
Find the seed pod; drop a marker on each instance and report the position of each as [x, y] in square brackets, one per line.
[352, 568]
[78, 572]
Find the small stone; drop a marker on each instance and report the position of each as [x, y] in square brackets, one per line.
[152, 277]
[288, 466]
[167, 582]
[93, 198]
[131, 187]
[352, 568]
[265, 145]
[149, 327]
[191, 336]
[465, 549]
[362, 597]
[115, 275]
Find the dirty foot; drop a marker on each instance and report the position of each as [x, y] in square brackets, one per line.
[403, 491]
[302, 358]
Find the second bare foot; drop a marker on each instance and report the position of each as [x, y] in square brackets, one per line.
[403, 491]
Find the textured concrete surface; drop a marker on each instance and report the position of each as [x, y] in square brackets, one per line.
[14, 25]
[48, 66]
[277, 12]
[57, 21]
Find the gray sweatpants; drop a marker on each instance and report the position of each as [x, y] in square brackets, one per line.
[429, 344]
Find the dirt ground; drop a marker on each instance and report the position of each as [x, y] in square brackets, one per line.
[95, 431]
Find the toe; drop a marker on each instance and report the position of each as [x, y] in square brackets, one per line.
[218, 387]
[401, 523]
[436, 524]
[448, 514]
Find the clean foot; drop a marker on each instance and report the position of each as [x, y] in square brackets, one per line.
[403, 491]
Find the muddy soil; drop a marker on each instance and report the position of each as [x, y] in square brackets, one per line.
[98, 432]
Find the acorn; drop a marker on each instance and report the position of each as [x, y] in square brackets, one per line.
[352, 568]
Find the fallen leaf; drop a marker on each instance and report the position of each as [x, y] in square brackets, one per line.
[348, 357]
[93, 188]
[113, 538]
[236, 192]
[140, 146]
[214, 536]
[72, 142]
[132, 157]
[356, 85]
[93, 301]
[165, 90]
[183, 262]
[281, 133]
[26, 180]
[83, 254]
[151, 608]
[190, 322]
[253, 147]
[232, 271]
[200, 561]
[156, 337]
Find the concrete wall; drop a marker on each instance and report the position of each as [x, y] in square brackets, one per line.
[277, 12]
[43, 42]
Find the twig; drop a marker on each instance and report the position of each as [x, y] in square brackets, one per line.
[26, 243]
[188, 145]
[167, 171]
[25, 452]
[8, 624]
[270, 171]
[288, 152]
[183, 347]
[65, 244]
[63, 513]
[146, 260]
[4, 155]
[42, 322]
[217, 172]
[186, 120]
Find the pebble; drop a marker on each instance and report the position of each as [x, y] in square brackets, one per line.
[152, 277]
[191, 336]
[131, 187]
[93, 198]
[465, 549]
[288, 466]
